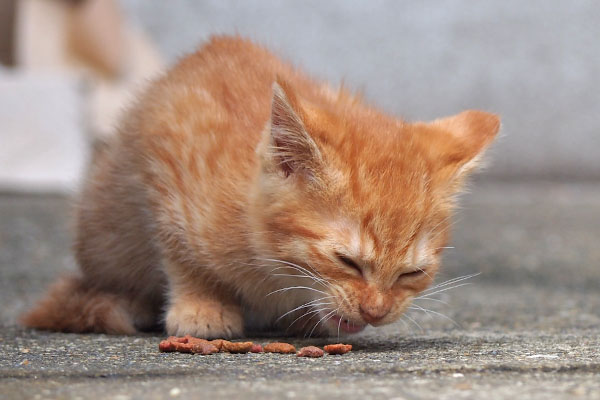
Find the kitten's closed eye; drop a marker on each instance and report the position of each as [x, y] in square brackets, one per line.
[413, 274]
[347, 261]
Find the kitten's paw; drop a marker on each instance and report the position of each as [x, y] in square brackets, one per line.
[205, 319]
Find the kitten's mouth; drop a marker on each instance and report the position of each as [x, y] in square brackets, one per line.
[345, 325]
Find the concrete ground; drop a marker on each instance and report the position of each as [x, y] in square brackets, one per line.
[527, 327]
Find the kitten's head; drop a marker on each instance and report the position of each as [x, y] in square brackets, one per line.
[360, 201]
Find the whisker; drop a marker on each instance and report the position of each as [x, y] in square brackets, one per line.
[425, 272]
[427, 311]
[316, 273]
[418, 309]
[336, 311]
[298, 267]
[404, 322]
[341, 293]
[309, 304]
[450, 284]
[451, 281]
[317, 324]
[339, 325]
[315, 315]
[443, 290]
[302, 273]
[413, 321]
[305, 273]
[305, 314]
[430, 299]
[285, 289]
[297, 276]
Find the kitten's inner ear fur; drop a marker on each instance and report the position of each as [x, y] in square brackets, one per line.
[467, 135]
[292, 149]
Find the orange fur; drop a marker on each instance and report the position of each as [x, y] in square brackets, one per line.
[233, 160]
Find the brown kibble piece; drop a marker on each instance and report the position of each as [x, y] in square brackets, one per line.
[278, 347]
[236, 347]
[338, 348]
[172, 343]
[187, 344]
[218, 343]
[181, 347]
[310, 351]
[166, 345]
[256, 348]
[204, 348]
[192, 340]
[190, 344]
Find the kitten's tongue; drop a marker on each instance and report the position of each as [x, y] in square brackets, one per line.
[345, 325]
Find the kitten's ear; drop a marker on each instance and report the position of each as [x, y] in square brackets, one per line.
[467, 136]
[291, 149]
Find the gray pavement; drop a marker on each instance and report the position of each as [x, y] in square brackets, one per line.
[434, 364]
[527, 327]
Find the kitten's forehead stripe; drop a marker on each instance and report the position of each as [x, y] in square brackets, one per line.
[368, 228]
[355, 242]
[422, 250]
[367, 247]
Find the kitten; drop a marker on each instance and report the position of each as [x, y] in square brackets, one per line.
[239, 193]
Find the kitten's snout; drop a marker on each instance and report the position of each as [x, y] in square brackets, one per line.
[373, 315]
[374, 306]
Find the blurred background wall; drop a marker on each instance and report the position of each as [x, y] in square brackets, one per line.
[535, 63]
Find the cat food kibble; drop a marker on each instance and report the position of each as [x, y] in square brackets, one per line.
[338, 348]
[167, 346]
[187, 344]
[218, 343]
[173, 343]
[256, 348]
[236, 347]
[204, 348]
[278, 347]
[190, 344]
[310, 351]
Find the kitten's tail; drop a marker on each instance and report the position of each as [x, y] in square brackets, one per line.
[72, 306]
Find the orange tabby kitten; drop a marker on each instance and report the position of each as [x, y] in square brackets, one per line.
[241, 193]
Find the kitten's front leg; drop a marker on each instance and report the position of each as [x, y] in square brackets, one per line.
[200, 308]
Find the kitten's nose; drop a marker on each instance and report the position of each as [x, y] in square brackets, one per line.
[373, 315]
